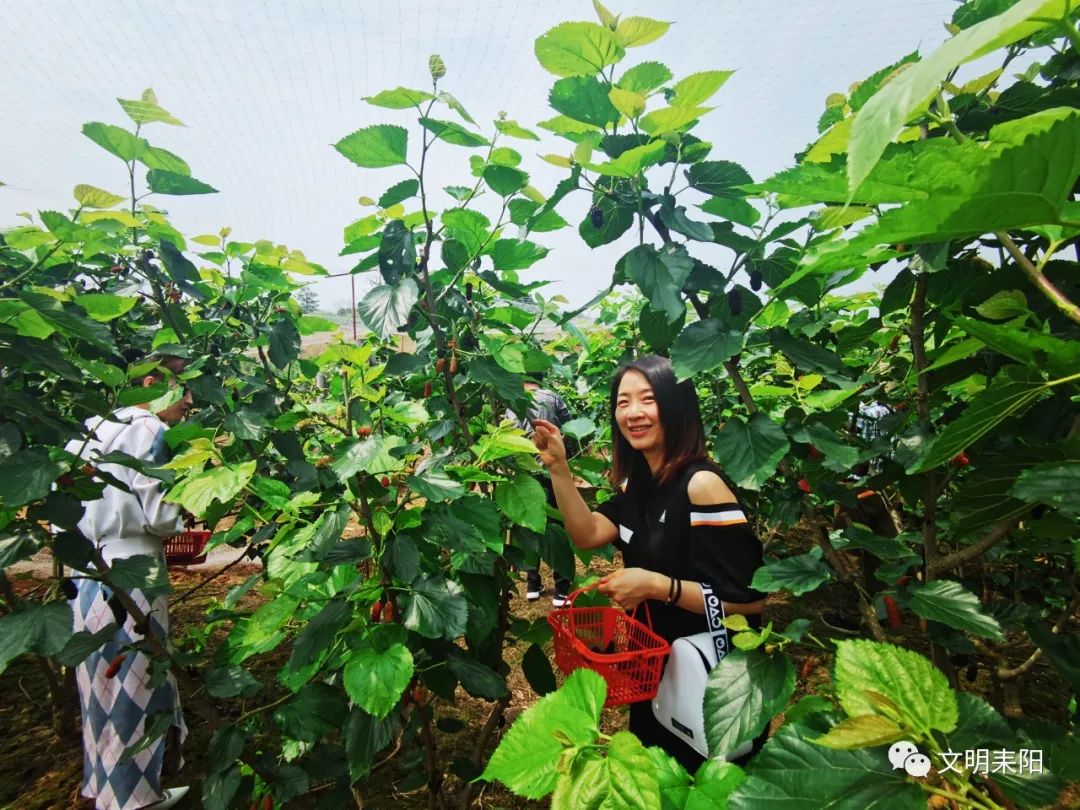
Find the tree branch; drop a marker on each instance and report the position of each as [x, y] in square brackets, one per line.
[496, 715]
[596, 299]
[1041, 282]
[142, 625]
[434, 773]
[1008, 674]
[968, 553]
[844, 574]
[917, 337]
[730, 365]
[440, 339]
[732, 368]
[658, 226]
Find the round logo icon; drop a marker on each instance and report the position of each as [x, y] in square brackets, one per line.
[917, 765]
[901, 751]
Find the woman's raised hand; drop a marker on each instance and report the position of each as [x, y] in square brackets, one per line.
[549, 442]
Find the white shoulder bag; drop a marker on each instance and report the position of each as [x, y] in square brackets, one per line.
[679, 702]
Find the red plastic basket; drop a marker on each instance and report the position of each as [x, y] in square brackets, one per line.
[625, 652]
[186, 548]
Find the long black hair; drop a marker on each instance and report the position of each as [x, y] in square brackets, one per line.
[680, 418]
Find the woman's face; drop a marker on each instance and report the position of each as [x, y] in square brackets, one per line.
[637, 414]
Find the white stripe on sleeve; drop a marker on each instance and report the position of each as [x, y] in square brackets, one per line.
[721, 517]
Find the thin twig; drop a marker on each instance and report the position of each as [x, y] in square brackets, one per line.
[393, 753]
[188, 593]
[263, 708]
[1041, 282]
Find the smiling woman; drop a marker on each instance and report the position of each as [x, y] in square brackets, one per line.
[642, 448]
[683, 533]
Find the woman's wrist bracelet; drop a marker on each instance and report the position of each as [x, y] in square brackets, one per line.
[674, 593]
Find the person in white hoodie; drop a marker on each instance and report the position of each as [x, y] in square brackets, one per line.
[118, 694]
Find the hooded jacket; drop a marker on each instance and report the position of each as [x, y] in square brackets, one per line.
[119, 523]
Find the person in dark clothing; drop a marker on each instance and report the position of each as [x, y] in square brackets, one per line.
[548, 407]
[871, 509]
[675, 519]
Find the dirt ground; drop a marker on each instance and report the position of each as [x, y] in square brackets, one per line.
[40, 770]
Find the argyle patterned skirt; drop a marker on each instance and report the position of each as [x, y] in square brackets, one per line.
[115, 710]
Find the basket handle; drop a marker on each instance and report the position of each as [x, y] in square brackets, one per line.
[574, 594]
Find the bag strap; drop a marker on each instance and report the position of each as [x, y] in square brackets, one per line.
[714, 619]
[714, 605]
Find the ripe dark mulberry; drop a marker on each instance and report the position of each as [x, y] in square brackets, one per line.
[119, 612]
[596, 217]
[68, 588]
[755, 280]
[734, 301]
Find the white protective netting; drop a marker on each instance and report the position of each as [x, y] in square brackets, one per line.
[266, 86]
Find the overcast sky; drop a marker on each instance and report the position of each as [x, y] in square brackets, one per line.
[266, 86]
